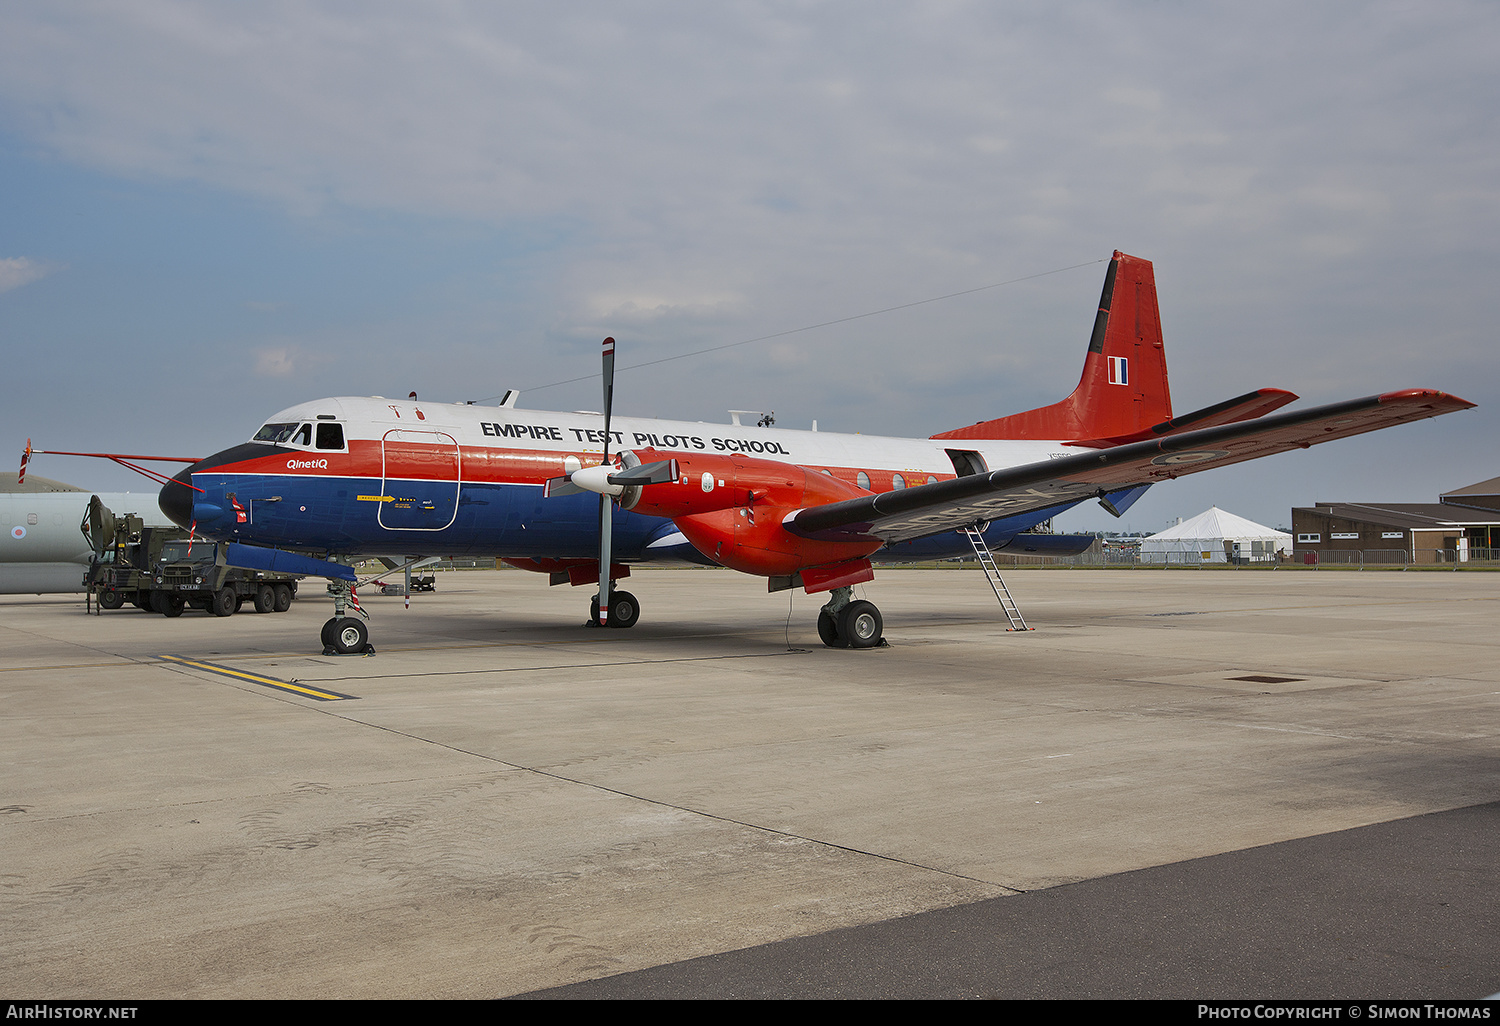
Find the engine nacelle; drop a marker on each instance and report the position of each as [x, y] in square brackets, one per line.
[730, 506]
[750, 539]
[709, 482]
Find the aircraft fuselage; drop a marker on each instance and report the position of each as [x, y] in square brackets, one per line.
[350, 476]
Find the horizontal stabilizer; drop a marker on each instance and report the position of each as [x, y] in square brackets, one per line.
[1045, 544]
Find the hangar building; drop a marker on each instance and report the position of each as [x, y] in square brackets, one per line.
[1463, 524]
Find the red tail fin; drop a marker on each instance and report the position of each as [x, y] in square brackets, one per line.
[1124, 385]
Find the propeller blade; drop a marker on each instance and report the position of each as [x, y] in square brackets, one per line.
[606, 504]
[556, 486]
[660, 472]
[609, 390]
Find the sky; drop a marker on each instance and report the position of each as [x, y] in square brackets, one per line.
[213, 211]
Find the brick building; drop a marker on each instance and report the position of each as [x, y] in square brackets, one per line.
[1462, 524]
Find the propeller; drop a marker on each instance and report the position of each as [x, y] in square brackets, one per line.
[612, 484]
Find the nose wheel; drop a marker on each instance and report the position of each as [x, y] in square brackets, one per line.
[344, 634]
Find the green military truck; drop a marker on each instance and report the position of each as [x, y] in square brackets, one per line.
[163, 570]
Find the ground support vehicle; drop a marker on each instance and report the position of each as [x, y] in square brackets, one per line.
[165, 570]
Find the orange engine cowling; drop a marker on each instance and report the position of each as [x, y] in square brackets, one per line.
[731, 507]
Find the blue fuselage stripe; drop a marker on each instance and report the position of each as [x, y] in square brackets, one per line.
[350, 516]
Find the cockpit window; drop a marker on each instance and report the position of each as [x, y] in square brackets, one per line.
[304, 435]
[275, 433]
[330, 436]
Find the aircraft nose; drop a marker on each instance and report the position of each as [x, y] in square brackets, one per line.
[176, 498]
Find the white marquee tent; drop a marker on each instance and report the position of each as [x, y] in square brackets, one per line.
[1215, 536]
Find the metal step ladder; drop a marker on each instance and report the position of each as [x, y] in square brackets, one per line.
[991, 571]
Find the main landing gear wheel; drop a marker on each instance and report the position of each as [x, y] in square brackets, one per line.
[345, 635]
[624, 610]
[860, 625]
[828, 630]
[845, 623]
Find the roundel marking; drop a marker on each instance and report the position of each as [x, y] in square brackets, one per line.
[708, 481]
[1197, 456]
[18, 532]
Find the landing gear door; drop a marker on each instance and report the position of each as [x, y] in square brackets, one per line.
[420, 478]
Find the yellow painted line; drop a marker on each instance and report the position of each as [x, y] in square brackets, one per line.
[255, 678]
[376, 498]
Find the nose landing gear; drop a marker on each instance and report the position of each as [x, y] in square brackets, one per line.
[344, 634]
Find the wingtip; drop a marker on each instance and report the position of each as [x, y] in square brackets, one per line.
[1446, 400]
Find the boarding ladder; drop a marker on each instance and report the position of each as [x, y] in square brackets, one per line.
[997, 583]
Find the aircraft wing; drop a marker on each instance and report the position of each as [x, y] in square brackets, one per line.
[948, 505]
[1244, 407]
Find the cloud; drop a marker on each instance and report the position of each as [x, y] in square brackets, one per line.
[278, 362]
[18, 271]
[1316, 182]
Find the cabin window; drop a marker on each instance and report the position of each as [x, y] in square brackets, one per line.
[897, 482]
[331, 436]
[931, 479]
[863, 480]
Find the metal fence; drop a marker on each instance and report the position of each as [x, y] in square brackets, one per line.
[1343, 559]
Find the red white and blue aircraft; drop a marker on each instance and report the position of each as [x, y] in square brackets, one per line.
[343, 477]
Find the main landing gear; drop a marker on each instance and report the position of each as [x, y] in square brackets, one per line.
[843, 623]
[624, 610]
[346, 635]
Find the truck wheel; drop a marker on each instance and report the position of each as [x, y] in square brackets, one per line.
[283, 597]
[265, 599]
[110, 599]
[224, 602]
[167, 604]
[142, 600]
